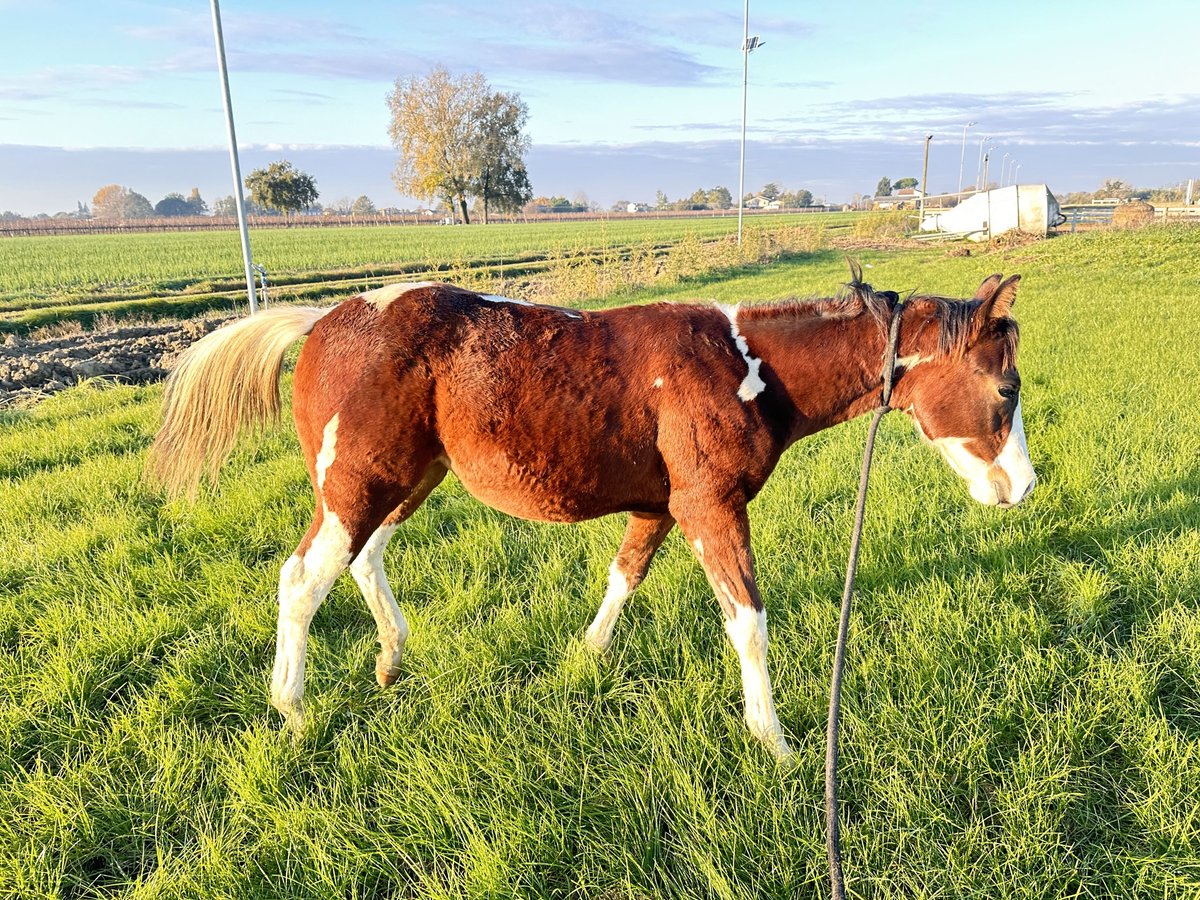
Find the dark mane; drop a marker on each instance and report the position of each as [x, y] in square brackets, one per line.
[956, 317]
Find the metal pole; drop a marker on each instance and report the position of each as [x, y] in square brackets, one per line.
[234, 164]
[924, 187]
[962, 158]
[745, 70]
[979, 185]
[1003, 163]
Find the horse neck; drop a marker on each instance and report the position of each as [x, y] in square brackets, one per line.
[829, 367]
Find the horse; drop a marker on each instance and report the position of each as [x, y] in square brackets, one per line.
[674, 413]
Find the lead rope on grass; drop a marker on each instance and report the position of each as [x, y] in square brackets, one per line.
[833, 841]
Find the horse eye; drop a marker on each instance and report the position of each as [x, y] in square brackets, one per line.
[1008, 392]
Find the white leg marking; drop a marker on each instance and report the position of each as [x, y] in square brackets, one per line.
[600, 632]
[304, 582]
[328, 451]
[367, 570]
[381, 297]
[752, 385]
[747, 632]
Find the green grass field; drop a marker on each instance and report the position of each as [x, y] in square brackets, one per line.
[1021, 708]
[46, 279]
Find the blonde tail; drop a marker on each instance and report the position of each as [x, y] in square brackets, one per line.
[223, 384]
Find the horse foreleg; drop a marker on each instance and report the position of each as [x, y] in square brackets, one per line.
[720, 539]
[643, 536]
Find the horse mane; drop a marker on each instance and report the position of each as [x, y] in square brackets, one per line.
[956, 318]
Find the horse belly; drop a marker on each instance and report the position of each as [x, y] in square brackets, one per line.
[556, 487]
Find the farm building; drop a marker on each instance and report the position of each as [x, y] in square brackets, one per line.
[1027, 207]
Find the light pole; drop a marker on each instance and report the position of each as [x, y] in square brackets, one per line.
[1017, 178]
[239, 199]
[1003, 163]
[748, 44]
[979, 183]
[962, 158]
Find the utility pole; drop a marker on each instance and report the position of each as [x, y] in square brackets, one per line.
[234, 164]
[748, 44]
[980, 184]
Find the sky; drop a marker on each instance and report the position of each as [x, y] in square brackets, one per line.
[625, 98]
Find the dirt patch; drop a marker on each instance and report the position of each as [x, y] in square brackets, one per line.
[53, 359]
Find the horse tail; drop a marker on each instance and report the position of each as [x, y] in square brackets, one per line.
[224, 384]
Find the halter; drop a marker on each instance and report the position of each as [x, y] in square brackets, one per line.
[833, 842]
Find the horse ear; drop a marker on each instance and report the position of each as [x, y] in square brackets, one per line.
[988, 287]
[999, 305]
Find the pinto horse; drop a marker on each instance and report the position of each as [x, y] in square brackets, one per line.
[673, 413]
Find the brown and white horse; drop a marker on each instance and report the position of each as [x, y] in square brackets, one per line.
[673, 413]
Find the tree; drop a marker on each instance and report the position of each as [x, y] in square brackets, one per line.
[363, 207]
[281, 186]
[115, 201]
[173, 205]
[660, 200]
[901, 184]
[770, 191]
[196, 204]
[803, 198]
[884, 188]
[457, 139]
[719, 198]
[500, 178]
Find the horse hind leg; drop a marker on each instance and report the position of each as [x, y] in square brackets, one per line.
[368, 572]
[643, 536]
[304, 582]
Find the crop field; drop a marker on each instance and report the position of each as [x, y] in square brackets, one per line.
[44, 278]
[1021, 711]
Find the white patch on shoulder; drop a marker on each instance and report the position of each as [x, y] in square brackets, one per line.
[912, 361]
[658, 382]
[496, 298]
[328, 450]
[752, 385]
[381, 297]
[699, 545]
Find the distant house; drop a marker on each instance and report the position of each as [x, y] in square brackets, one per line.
[758, 201]
[905, 198]
[637, 207]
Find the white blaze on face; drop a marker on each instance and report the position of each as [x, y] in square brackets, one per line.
[1004, 481]
[752, 385]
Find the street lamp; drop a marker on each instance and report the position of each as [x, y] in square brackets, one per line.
[1003, 164]
[1012, 166]
[1017, 179]
[962, 157]
[749, 44]
[979, 185]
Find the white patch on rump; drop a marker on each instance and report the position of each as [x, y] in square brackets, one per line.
[496, 298]
[328, 452]
[381, 297]
[658, 382]
[752, 385]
